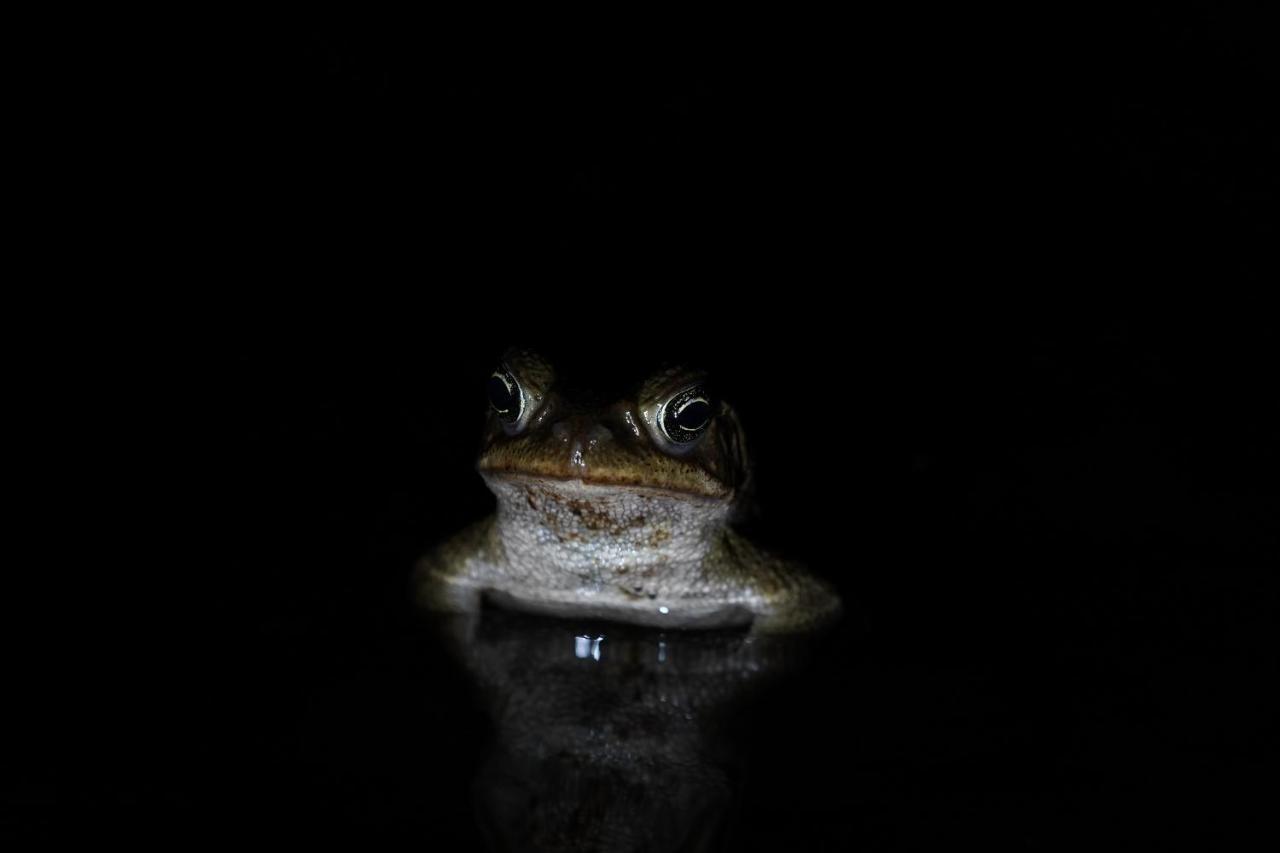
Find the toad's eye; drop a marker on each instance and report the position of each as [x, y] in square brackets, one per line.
[686, 416]
[505, 396]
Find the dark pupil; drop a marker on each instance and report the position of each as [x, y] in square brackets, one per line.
[687, 416]
[694, 416]
[504, 397]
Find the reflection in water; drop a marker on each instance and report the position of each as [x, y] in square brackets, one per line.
[609, 737]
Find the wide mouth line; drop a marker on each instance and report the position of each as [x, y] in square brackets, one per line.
[592, 482]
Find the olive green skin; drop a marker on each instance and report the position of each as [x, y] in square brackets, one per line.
[601, 515]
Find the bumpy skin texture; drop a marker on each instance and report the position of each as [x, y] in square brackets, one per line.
[601, 515]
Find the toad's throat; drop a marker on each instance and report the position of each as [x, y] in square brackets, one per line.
[574, 534]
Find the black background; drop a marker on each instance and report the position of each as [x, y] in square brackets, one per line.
[986, 291]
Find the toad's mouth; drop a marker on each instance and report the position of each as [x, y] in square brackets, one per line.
[603, 481]
[604, 466]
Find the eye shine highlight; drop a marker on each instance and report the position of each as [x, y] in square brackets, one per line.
[505, 397]
[686, 416]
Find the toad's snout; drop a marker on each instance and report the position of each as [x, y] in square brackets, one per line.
[581, 435]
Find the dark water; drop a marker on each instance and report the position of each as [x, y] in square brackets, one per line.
[353, 721]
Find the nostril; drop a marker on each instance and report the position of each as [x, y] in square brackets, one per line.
[597, 434]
